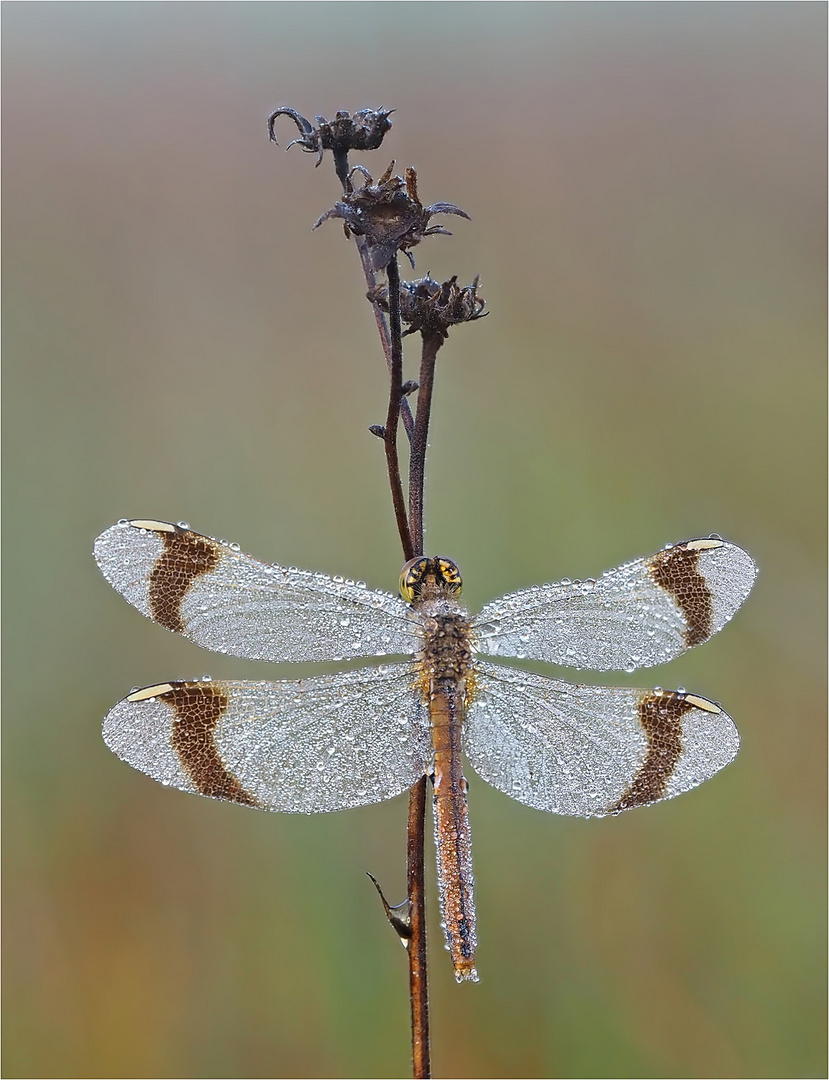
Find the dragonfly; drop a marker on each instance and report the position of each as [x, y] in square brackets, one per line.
[363, 735]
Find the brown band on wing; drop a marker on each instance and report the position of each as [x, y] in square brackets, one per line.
[185, 557]
[661, 718]
[198, 708]
[677, 571]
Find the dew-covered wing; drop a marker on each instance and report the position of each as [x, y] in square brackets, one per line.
[224, 600]
[637, 615]
[307, 746]
[591, 750]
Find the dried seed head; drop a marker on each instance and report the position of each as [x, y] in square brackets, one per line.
[389, 214]
[431, 307]
[362, 131]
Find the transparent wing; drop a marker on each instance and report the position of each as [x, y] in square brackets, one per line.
[226, 601]
[309, 746]
[640, 614]
[591, 750]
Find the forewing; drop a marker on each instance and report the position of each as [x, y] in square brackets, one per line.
[591, 750]
[313, 745]
[224, 600]
[637, 615]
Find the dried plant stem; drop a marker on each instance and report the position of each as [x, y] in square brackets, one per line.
[412, 545]
[418, 970]
[341, 167]
[410, 526]
[393, 417]
[391, 339]
[383, 328]
[419, 440]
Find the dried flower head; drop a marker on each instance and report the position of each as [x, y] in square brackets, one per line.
[432, 307]
[362, 131]
[389, 214]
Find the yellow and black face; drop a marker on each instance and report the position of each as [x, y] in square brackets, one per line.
[424, 578]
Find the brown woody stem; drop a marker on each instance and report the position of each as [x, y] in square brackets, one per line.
[393, 417]
[418, 970]
[392, 342]
[383, 328]
[419, 441]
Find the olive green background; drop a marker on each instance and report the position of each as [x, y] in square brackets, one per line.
[646, 188]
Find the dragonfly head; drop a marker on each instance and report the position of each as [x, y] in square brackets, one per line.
[430, 579]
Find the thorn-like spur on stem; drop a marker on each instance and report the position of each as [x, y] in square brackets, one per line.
[400, 926]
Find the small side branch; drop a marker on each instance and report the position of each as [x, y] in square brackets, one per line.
[383, 328]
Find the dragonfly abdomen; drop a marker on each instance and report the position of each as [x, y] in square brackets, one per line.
[446, 664]
[453, 839]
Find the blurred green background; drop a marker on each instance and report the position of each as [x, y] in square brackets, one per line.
[646, 187]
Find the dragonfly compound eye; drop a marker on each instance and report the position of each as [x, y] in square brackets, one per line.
[449, 575]
[423, 578]
[411, 577]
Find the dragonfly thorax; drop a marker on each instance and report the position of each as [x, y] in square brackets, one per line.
[447, 650]
[431, 586]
